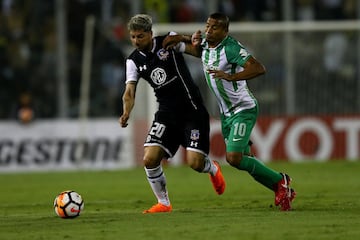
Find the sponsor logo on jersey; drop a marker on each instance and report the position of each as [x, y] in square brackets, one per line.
[158, 76]
[163, 54]
[142, 68]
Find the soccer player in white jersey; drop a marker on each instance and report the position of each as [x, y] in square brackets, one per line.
[227, 66]
[181, 118]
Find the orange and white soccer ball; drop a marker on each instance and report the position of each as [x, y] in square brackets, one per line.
[68, 204]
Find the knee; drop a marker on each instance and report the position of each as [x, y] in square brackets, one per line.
[151, 162]
[234, 158]
[153, 156]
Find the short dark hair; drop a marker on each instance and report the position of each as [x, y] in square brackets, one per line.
[140, 22]
[221, 18]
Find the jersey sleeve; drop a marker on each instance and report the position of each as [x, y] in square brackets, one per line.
[131, 71]
[237, 54]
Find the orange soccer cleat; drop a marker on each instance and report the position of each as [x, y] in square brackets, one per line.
[158, 208]
[218, 180]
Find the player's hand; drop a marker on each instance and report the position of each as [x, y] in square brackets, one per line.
[196, 38]
[170, 41]
[218, 74]
[123, 120]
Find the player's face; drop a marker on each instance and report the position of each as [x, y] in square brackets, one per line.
[215, 32]
[141, 40]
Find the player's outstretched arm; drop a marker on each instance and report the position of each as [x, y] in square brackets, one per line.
[182, 43]
[128, 103]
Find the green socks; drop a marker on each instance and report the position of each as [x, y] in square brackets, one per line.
[261, 173]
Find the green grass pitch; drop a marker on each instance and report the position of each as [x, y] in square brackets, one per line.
[327, 205]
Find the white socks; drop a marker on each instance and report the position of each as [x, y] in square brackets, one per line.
[210, 167]
[157, 181]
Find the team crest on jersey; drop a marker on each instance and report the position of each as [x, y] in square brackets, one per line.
[158, 76]
[163, 54]
[195, 134]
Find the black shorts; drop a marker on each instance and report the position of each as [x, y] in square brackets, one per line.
[190, 130]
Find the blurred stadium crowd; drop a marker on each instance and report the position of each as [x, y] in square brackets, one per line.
[28, 52]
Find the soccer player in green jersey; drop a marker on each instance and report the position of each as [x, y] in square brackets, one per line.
[227, 66]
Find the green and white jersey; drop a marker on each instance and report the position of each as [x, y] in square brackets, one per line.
[229, 56]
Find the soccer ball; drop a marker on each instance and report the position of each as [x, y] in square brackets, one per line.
[68, 204]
